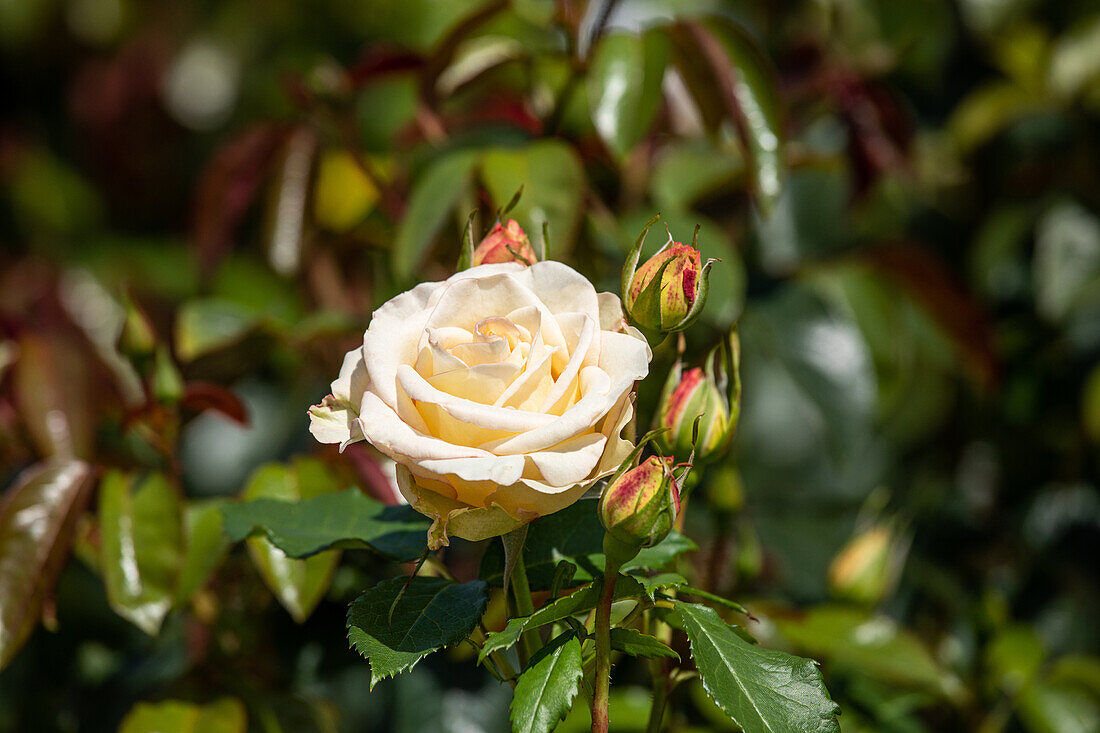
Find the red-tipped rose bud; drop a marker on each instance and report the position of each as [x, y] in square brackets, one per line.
[505, 243]
[668, 291]
[639, 507]
[711, 396]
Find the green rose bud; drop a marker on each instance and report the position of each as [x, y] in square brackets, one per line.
[668, 291]
[712, 397]
[867, 568]
[137, 338]
[638, 507]
[505, 243]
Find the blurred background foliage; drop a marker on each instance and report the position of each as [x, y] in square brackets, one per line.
[201, 202]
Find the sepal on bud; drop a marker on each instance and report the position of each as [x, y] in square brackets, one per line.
[668, 291]
[700, 407]
[866, 569]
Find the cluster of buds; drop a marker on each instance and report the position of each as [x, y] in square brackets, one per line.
[668, 291]
[639, 505]
[700, 407]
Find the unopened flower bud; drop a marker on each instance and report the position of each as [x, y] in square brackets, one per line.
[668, 291]
[699, 408]
[639, 507]
[866, 569]
[137, 338]
[505, 243]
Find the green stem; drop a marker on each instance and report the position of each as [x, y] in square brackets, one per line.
[660, 695]
[601, 695]
[525, 606]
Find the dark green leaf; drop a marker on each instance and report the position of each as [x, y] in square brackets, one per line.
[553, 181]
[759, 689]
[434, 195]
[298, 584]
[140, 521]
[431, 614]
[658, 582]
[580, 601]
[37, 520]
[226, 715]
[546, 689]
[575, 534]
[624, 86]
[345, 520]
[637, 644]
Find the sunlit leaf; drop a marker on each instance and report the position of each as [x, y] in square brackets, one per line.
[142, 546]
[37, 520]
[759, 689]
[226, 715]
[207, 325]
[205, 546]
[547, 687]
[624, 86]
[430, 614]
[299, 584]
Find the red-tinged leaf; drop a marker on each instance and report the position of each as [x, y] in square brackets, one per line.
[52, 394]
[880, 132]
[379, 60]
[37, 522]
[929, 280]
[731, 78]
[370, 473]
[228, 187]
[202, 396]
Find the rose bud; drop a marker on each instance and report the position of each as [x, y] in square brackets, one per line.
[867, 568]
[639, 506]
[668, 291]
[504, 243]
[711, 396]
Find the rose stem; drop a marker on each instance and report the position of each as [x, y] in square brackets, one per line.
[521, 590]
[600, 697]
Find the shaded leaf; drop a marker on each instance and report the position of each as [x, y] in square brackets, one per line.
[546, 689]
[432, 613]
[759, 689]
[347, 519]
[142, 546]
[637, 644]
[624, 86]
[298, 584]
[434, 195]
[38, 517]
[52, 391]
[575, 534]
[226, 715]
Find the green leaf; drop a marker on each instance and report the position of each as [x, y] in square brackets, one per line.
[142, 546]
[298, 584]
[637, 644]
[661, 581]
[37, 521]
[731, 78]
[580, 601]
[545, 691]
[553, 182]
[204, 326]
[431, 614]
[52, 394]
[624, 86]
[853, 639]
[205, 546]
[759, 689]
[349, 519]
[435, 194]
[226, 715]
[575, 534]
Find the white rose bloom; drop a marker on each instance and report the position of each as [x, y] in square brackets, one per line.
[500, 393]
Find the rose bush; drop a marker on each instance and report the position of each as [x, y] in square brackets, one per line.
[501, 394]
